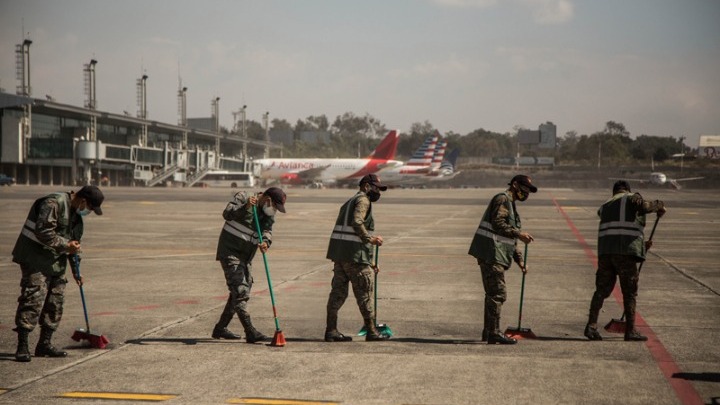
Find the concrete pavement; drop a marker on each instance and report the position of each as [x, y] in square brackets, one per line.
[154, 289]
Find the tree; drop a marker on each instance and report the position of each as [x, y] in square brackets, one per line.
[349, 123]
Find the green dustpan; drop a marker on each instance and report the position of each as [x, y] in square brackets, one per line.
[382, 328]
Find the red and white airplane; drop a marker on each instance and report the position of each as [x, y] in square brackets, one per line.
[330, 171]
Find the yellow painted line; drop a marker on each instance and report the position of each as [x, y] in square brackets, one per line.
[3, 390]
[274, 401]
[118, 395]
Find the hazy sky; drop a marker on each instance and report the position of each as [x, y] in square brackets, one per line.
[653, 65]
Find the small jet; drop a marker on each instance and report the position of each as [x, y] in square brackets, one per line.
[659, 179]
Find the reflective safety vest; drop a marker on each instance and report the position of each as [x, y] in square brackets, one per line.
[239, 237]
[489, 246]
[345, 245]
[29, 251]
[621, 228]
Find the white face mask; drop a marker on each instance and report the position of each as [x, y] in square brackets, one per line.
[269, 210]
[82, 212]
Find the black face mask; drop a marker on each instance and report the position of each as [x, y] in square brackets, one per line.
[373, 195]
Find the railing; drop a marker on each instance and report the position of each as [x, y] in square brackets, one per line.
[162, 176]
[190, 181]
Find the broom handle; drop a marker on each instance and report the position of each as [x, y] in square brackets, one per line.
[652, 233]
[267, 268]
[75, 260]
[377, 251]
[522, 288]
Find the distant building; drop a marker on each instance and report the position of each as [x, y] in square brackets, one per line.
[710, 146]
[314, 136]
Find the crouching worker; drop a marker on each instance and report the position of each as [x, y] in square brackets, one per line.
[237, 246]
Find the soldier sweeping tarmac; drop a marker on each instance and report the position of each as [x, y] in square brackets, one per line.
[621, 247]
[52, 231]
[237, 246]
[350, 249]
[495, 246]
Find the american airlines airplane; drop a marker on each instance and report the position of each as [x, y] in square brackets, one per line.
[330, 171]
[426, 165]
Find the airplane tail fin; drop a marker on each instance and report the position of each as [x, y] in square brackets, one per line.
[387, 148]
[424, 154]
[450, 163]
[438, 156]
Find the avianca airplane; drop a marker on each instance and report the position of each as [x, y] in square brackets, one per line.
[330, 171]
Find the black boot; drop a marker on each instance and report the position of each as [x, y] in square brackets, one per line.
[44, 348]
[485, 334]
[631, 334]
[252, 335]
[224, 333]
[592, 333]
[372, 333]
[335, 336]
[500, 338]
[23, 352]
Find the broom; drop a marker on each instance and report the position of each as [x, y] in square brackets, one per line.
[519, 332]
[97, 341]
[278, 339]
[619, 325]
[382, 328]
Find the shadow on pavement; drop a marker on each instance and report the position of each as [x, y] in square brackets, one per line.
[710, 377]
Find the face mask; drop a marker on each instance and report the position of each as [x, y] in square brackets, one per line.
[82, 213]
[269, 210]
[373, 195]
[522, 195]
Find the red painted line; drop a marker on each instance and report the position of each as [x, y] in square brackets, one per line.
[683, 389]
[319, 284]
[220, 297]
[145, 307]
[107, 313]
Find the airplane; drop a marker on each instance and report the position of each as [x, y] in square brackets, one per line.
[301, 171]
[418, 166]
[659, 179]
[420, 169]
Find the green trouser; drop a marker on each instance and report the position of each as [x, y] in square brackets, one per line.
[611, 267]
[493, 276]
[361, 277]
[41, 300]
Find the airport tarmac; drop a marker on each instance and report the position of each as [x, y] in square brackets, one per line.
[154, 289]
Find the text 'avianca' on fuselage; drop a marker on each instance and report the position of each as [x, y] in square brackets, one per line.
[330, 171]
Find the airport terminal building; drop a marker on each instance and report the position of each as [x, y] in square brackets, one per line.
[46, 142]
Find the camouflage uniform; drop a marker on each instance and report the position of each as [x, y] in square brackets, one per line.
[41, 253]
[237, 246]
[620, 248]
[495, 246]
[352, 254]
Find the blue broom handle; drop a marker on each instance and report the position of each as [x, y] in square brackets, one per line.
[76, 262]
[522, 288]
[267, 268]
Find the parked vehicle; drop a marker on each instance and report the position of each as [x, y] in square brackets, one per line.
[6, 180]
